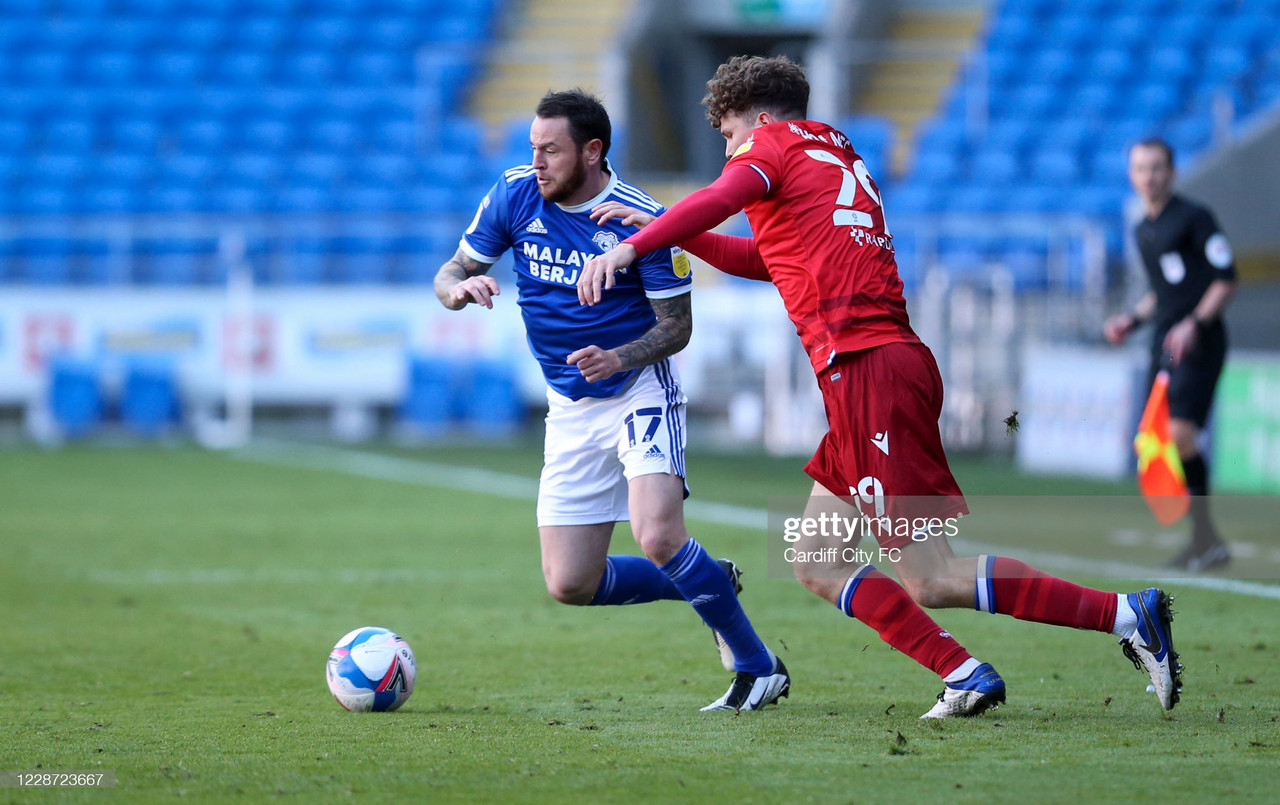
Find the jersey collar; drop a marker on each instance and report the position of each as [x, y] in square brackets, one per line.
[599, 197]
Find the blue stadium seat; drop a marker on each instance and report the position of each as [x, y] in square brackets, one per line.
[976, 198]
[131, 135]
[1053, 65]
[306, 263]
[388, 169]
[1013, 32]
[1098, 98]
[260, 34]
[173, 199]
[1071, 30]
[994, 165]
[428, 406]
[493, 406]
[58, 168]
[1037, 100]
[308, 68]
[70, 135]
[75, 395]
[248, 68]
[1108, 167]
[203, 33]
[41, 68]
[203, 136]
[149, 401]
[242, 199]
[1055, 166]
[390, 34]
[1224, 65]
[324, 33]
[1248, 31]
[1157, 99]
[303, 198]
[333, 134]
[136, 34]
[252, 169]
[377, 69]
[935, 166]
[110, 198]
[1190, 134]
[38, 199]
[937, 134]
[369, 198]
[1170, 66]
[1038, 198]
[319, 168]
[912, 198]
[1185, 30]
[266, 136]
[1112, 65]
[433, 199]
[1009, 134]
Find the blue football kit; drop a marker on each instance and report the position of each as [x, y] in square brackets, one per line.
[551, 244]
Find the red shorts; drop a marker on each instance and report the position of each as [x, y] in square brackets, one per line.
[883, 448]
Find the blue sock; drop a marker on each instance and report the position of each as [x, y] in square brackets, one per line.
[633, 580]
[704, 585]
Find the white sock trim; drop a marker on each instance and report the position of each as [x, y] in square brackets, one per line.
[1126, 618]
[962, 673]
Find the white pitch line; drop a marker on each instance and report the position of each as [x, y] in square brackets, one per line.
[491, 482]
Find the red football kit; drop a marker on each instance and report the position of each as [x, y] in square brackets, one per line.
[820, 237]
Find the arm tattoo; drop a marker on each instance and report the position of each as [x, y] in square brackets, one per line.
[459, 267]
[665, 338]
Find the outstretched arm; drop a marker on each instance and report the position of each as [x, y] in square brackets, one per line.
[693, 215]
[731, 254]
[462, 281]
[666, 337]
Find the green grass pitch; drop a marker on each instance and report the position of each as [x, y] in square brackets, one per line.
[167, 612]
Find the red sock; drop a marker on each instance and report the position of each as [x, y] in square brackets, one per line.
[1013, 588]
[881, 603]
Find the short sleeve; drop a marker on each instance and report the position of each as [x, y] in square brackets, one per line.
[761, 154]
[1210, 241]
[665, 273]
[489, 235]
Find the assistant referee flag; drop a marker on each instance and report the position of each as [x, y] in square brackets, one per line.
[1160, 475]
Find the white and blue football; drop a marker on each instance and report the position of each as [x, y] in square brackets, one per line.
[371, 669]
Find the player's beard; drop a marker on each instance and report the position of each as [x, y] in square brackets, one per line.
[560, 191]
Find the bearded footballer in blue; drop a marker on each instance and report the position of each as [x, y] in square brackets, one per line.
[615, 428]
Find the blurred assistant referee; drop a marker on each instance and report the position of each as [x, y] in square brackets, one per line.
[1193, 278]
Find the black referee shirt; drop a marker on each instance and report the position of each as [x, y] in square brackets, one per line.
[1184, 251]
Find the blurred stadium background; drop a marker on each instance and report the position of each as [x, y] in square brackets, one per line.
[223, 216]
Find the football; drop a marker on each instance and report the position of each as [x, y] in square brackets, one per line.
[371, 669]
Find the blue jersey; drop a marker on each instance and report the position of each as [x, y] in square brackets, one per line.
[552, 243]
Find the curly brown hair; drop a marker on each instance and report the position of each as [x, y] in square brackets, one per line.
[757, 84]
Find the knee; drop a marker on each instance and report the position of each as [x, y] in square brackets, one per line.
[930, 593]
[660, 545]
[824, 585]
[571, 591]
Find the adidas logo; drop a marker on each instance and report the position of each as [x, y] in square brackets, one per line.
[536, 227]
[653, 452]
[705, 598]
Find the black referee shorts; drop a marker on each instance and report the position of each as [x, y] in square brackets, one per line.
[1192, 382]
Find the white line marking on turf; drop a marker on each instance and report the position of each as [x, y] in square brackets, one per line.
[490, 482]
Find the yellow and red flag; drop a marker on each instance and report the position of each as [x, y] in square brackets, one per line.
[1160, 475]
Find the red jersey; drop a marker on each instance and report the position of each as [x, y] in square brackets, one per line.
[821, 233]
